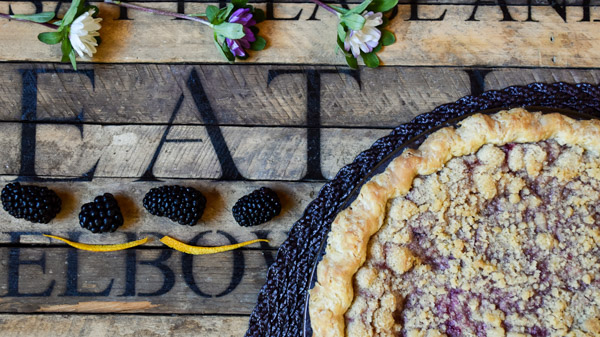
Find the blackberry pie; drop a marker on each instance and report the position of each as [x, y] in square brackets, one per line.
[490, 228]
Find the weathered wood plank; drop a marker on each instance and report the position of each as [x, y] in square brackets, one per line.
[221, 196]
[243, 95]
[236, 95]
[122, 325]
[143, 151]
[545, 40]
[134, 281]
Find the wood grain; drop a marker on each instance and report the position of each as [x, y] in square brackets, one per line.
[243, 95]
[547, 42]
[237, 95]
[129, 151]
[122, 325]
[224, 283]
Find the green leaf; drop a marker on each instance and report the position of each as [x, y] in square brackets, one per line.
[224, 12]
[71, 13]
[228, 54]
[72, 58]
[352, 62]
[254, 30]
[341, 31]
[219, 48]
[230, 30]
[339, 9]
[377, 49]
[353, 21]
[371, 60]
[258, 15]
[211, 13]
[239, 3]
[385, 22]
[360, 8]
[39, 17]
[259, 44]
[382, 5]
[50, 37]
[80, 8]
[66, 49]
[387, 37]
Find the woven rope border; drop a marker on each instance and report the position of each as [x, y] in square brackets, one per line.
[280, 307]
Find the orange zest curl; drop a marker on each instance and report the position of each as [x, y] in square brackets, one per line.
[100, 248]
[197, 250]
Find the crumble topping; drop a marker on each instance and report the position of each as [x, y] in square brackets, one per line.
[503, 242]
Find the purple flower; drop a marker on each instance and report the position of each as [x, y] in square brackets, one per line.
[243, 16]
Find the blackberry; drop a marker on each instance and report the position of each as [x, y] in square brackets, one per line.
[32, 203]
[184, 205]
[257, 207]
[102, 215]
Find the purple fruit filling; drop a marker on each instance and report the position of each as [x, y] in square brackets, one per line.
[492, 244]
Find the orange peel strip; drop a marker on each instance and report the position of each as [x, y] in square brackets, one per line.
[99, 248]
[198, 250]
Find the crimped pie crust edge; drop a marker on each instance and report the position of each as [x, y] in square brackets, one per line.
[350, 232]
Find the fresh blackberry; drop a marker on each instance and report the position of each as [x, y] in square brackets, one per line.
[102, 215]
[257, 207]
[32, 203]
[184, 205]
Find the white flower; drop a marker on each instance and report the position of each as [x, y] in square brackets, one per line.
[83, 32]
[367, 38]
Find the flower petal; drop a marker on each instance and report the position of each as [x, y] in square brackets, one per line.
[245, 44]
[355, 50]
[241, 16]
[235, 48]
[249, 35]
[82, 34]
[373, 19]
[367, 38]
[372, 43]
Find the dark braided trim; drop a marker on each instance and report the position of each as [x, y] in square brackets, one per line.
[280, 307]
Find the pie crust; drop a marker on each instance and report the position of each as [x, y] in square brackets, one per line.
[351, 231]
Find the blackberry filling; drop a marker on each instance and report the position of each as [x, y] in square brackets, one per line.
[504, 242]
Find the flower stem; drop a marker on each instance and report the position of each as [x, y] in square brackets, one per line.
[157, 11]
[45, 24]
[326, 7]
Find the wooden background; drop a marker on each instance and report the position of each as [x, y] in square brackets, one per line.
[159, 106]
